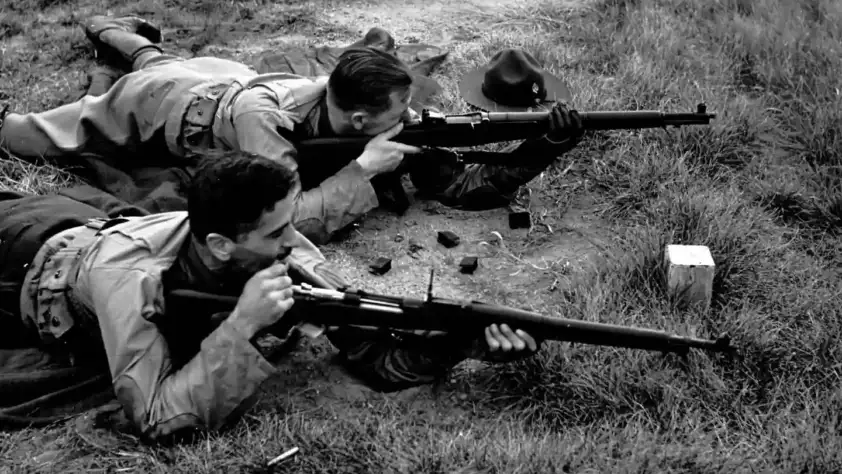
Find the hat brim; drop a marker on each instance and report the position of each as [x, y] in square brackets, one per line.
[470, 87]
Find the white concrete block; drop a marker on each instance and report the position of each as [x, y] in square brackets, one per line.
[690, 274]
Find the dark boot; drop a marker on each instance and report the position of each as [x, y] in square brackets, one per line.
[119, 41]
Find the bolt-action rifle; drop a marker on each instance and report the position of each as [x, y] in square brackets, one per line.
[437, 131]
[481, 128]
[470, 318]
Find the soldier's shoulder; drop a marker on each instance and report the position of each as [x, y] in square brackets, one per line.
[291, 90]
[150, 238]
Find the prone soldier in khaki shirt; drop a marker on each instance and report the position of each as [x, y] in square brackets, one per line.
[169, 108]
[73, 281]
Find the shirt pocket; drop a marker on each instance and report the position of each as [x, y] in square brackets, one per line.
[54, 317]
[197, 132]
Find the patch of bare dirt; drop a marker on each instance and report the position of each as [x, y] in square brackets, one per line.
[525, 268]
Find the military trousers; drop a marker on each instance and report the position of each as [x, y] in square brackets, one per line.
[140, 116]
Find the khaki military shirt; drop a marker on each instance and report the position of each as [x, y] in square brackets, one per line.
[115, 279]
[251, 113]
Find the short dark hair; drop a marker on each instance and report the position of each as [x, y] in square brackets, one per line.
[231, 190]
[367, 77]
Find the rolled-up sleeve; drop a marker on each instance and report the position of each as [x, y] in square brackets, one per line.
[214, 387]
[319, 212]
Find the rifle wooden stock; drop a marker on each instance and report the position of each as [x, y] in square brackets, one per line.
[359, 308]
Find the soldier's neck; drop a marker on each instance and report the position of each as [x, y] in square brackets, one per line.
[202, 265]
[203, 254]
[215, 275]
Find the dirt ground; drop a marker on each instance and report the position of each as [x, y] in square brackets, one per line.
[518, 267]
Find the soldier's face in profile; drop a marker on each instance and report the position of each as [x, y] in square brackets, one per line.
[399, 112]
[357, 120]
[272, 240]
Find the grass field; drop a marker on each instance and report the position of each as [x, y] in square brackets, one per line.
[761, 187]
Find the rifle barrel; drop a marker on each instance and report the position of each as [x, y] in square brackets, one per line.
[641, 119]
[560, 329]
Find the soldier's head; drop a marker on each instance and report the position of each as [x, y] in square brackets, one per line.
[368, 92]
[240, 209]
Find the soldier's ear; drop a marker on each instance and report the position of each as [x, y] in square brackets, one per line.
[220, 247]
[358, 120]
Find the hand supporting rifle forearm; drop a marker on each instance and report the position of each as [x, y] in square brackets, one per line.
[477, 187]
[566, 130]
[389, 361]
